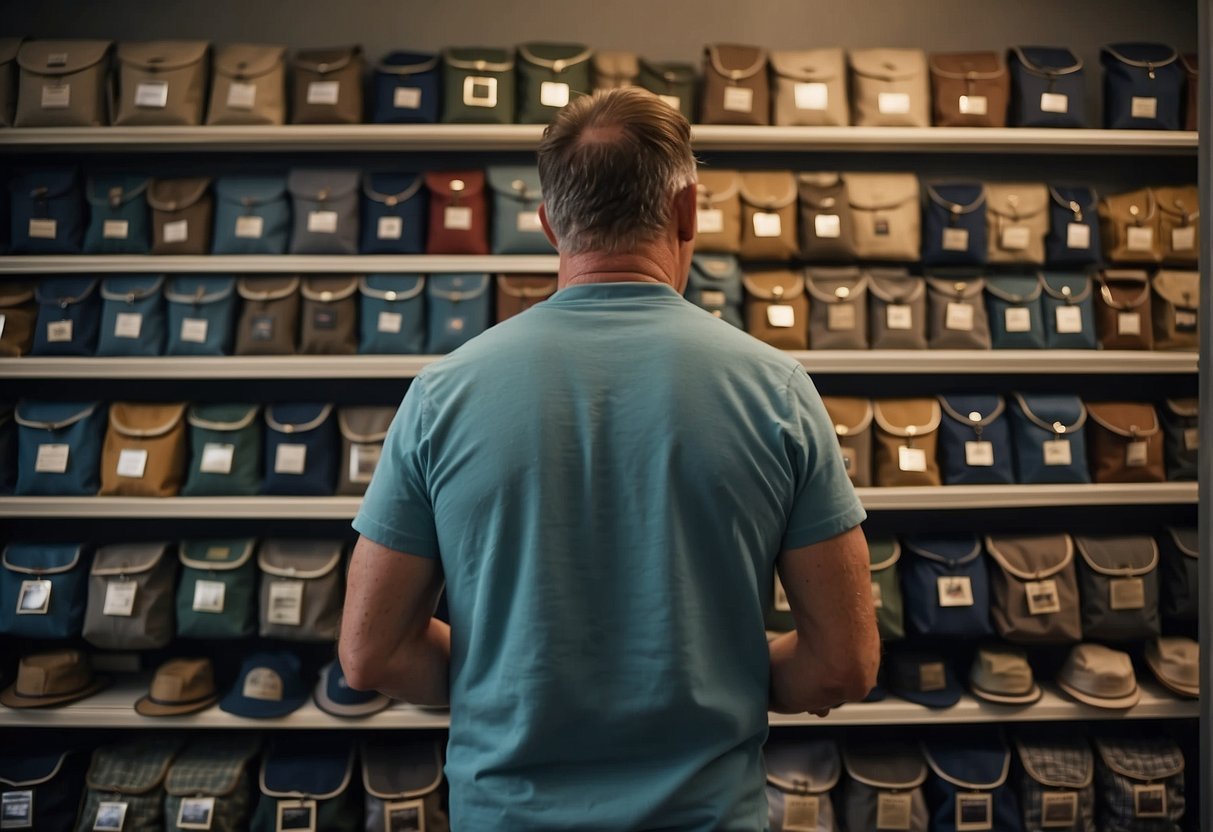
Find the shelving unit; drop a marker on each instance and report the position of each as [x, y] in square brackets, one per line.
[276, 264]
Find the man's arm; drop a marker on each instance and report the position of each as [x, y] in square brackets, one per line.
[390, 640]
[833, 654]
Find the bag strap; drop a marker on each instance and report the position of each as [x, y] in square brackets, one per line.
[955, 208]
[1106, 291]
[1051, 428]
[1072, 205]
[1047, 71]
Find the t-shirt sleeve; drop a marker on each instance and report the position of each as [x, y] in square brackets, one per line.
[825, 504]
[396, 511]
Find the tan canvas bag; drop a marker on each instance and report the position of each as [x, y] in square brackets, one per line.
[161, 83]
[838, 313]
[970, 89]
[1129, 227]
[898, 307]
[182, 213]
[614, 70]
[889, 88]
[144, 451]
[18, 317]
[852, 418]
[327, 86]
[1176, 307]
[827, 230]
[300, 589]
[1125, 442]
[777, 308]
[735, 89]
[329, 324]
[887, 215]
[269, 315]
[1123, 317]
[248, 85]
[1179, 224]
[1035, 589]
[516, 293]
[907, 434]
[363, 431]
[62, 83]
[768, 215]
[1017, 217]
[809, 88]
[718, 223]
[957, 314]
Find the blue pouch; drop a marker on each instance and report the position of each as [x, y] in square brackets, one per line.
[201, 314]
[1048, 87]
[516, 199]
[69, 316]
[394, 209]
[457, 310]
[132, 315]
[968, 786]
[301, 450]
[1050, 445]
[975, 441]
[119, 221]
[320, 769]
[946, 587]
[406, 88]
[43, 590]
[1015, 310]
[391, 314]
[714, 284]
[8, 450]
[1073, 238]
[954, 225]
[54, 780]
[252, 215]
[59, 448]
[1068, 311]
[47, 212]
[1143, 85]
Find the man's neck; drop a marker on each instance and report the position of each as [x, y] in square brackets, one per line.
[632, 267]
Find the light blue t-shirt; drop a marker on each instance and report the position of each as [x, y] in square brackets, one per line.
[608, 479]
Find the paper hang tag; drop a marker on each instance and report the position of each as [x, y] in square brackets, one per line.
[738, 99]
[323, 92]
[528, 222]
[959, 317]
[479, 91]
[1016, 237]
[151, 94]
[52, 459]
[322, 222]
[1139, 238]
[406, 98]
[34, 598]
[1137, 454]
[1186, 320]
[1017, 319]
[120, 598]
[132, 462]
[43, 229]
[250, 228]
[296, 816]
[1056, 452]
[781, 316]
[827, 226]
[1042, 597]
[1140, 107]
[848, 461]
[1054, 102]
[263, 684]
[111, 816]
[877, 595]
[363, 459]
[1069, 320]
[1183, 238]
[1078, 235]
[767, 225]
[290, 459]
[457, 218]
[710, 297]
[193, 330]
[56, 96]
[893, 103]
[196, 813]
[209, 596]
[840, 317]
[59, 332]
[241, 96]
[17, 810]
[1127, 593]
[1149, 800]
[177, 231]
[115, 229]
[912, 460]
[286, 603]
[128, 325]
[894, 811]
[979, 454]
[404, 816]
[672, 101]
[553, 93]
[217, 458]
[955, 239]
[390, 322]
[955, 590]
[973, 105]
[709, 221]
[1191, 439]
[811, 96]
[780, 601]
[389, 228]
[974, 812]
[801, 812]
[1058, 810]
[1128, 323]
[899, 316]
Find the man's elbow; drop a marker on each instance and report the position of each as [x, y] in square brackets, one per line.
[361, 669]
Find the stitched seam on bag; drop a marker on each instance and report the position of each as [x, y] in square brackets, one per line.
[156, 550]
[296, 428]
[975, 75]
[404, 196]
[16, 296]
[1117, 571]
[973, 286]
[962, 560]
[1164, 286]
[311, 60]
[993, 288]
[139, 294]
[349, 770]
[1104, 422]
[964, 784]
[956, 207]
[193, 298]
[489, 66]
[40, 424]
[1138, 64]
[217, 565]
[227, 64]
[576, 59]
[792, 289]
[413, 793]
[346, 290]
[1040, 71]
[381, 294]
[265, 562]
[829, 60]
[41, 48]
[857, 289]
[128, 195]
[117, 409]
[1028, 757]
[914, 782]
[40, 780]
[1048, 426]
[1110, 754]
[1056, 294]
[208, 424]
[243, 284]
[1018, 572]
[876, 56]
[878, 287]
[728, 74]
[42, 570]
[888, 562]
[70, 300]
[1179, 544]
[409, 69]
[360, 438]
[927, 429]
[986, 421]
[458, 295]
[857, 428]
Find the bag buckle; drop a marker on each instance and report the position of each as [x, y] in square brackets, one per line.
[1150, 70]
[1077, 209]
[115, 195]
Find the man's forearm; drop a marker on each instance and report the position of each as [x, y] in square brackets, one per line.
[797, 685]
[418, 671]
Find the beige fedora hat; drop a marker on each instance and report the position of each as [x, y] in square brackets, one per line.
[180, 686]
[1100, 676]
[55, 677]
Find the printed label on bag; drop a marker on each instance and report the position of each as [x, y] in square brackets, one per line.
[324, 318]
[128, 325]
[894, 812]
[955, 590]
[115, 229]
[893, 103]
[1139, 238]
[1183, 238]
[250, 228]
[1017, 319]
[1191, 439]
[196, 813]
[767, 225]
[1016, 237]
[780, 601]
[1143, 107]
[1137, 454]
[152, 94]
[974, 812]
[389, 228]
[209, 596]
[973, 105]
[781, 316]
[177, 231]
[553, 93]
[1185, 320]
[111, 816]
[1058, 810]
[404, 816]
[34, 598]
[218, 552]
[216, 458]
[709, 221]
[800, 812]
[911, 459]
[262, 683]
[738, 99]
[296, 816]
[1078, 235]
[1069, 320]
[56, 96]
[1128, 323]
[1149, 800]
[132, 462]
[827, 226]
[390, 322]
[193, 330]
[241, 96]
[932, 676]
[979, 454]
[479, 91]
[848, 461]
[811, 96]
[290, 459]
[840, 317]
[1057, 452]
[120, 598]
[899, 316]
[955, 239]
[363, 459]
[457, 218]
[406, 98]
[286, 603]
[1054, 102]
[17, 810]
[959, 317]
[880, 227]
[43, 229]
[672, 101]
[322, 222]
[51, 459]
[59, 332]
[710, 297]
[877, 595]
[1042, 596]
[1127, 593]
[528, 222]
[323, 92]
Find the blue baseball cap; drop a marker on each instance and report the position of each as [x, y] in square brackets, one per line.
[923, 678]
[333, 695]
[269, 685]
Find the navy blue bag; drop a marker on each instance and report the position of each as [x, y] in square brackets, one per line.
[1015, 310]
[306, 781]
[407, 88]
[132, 315]
[301, 450]
[1068, 309]
[43, 590]
[394, 210]
[1048, 87]
[1050, 444]
[69, 316]
[457, 310]
[975, 441]
[945, 587]
[1073, 238]
[1143, 86]
[119, 221]
[252, 215]
[201, 314]
[954, 225]
[8, 450]
[59, 448]
[47, 212]
[968, 786]
[391, 314]
[714, 284]
[42, 789]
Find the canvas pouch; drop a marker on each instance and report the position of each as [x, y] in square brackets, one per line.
[201, 314]
[1139, 783]
[1073, 238]
[69, 316]
[714, 285]
[391, 314]
[478, 85]
[777, 308]
[1130, 227]
[838, 312]
[457, 310]
[673, 83]
[325, 207]
[217, 596]
[1119, 587]
[119, 222]
[62, 83]
[458, 213]
[968, 786]
[1179, 224]
[1050, 443]
[907, 435]
[1180, 572]
[182, 214]
[394, 208]
[516, 200]
[889, 88]
[300, 783]
[407, 87]
[1068, 310]
[884, 787]
[363, 431]
[735, 86]
[211, 771]
[58, 448]
[161, 83]
[768, 215]
[252, 215]
[1018, 218]
[718, 222]
[1049, 87]
[1016, 312]
[852, 420]
[132, 315]
[402, 782]
[46, 212]
[898, 306]
[614, 70]
[886, 212]
[883, 556]
[225, 446]
[1181, 424]
[975, 441]
[131, 774]
[1123, 310]
[954, 225]
[550, 75]
[144, 451]
[301, 450]
[327, 86]
[1175, 306]
[53, 781]
[946, 587]
[1142, 86]
[131, 598]
[300, 589]
[269, 315]
[43, 590]
[970, 89]
[516, 293]
[1126, 442]
[248, 85]
[330, 316]
[800, 777]
[809, 88]
[827, 230]
[957, 313]
[1035, 589]
[1056, 784]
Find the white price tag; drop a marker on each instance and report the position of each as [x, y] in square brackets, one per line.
[767, 225]
[363, 459]
[322, 222]
[899, 316]
[1017, 319]
[811, 96]
[1137, 454]
[390, 322]
[457, 218]
[111, 816]
[115, 229]
[152, 94]
[974, 812]
[404, 816]
[1149, 800]
[56, 96]
[840, 317]
[1057, 452]
[389, 228]
[528, 222]
[128, 325]
[911, 459]
[1058, 810]
[323, 92]
[827, 226]
[1069, 320]
[51, 459]
[979, 454]
[553, 93]
[709, 221]
[1183, 238]
[1127, 594]
[250, 228]
[1128, 323]
[209, 596]
[894, 811]
[193, 330]
[671, 101]
[132, 462]
[1139, 238]
[1016, 237]
[959, 317]
[120, 598]
[1191, 439]
[1078, 235]
[286, 603]
[973, 105]
[196, 813]
[1054, 102]
[800, 812]
[59, 332]
[781, 316]
[177, 231]
[1042, 596]
[241, 96]
[955, 590]
[216, 458]
[1143, 107]
[480, 91]
[893, 103]
[406, 98]
[738, 99]
[43, 229]
[17, 809]
[955, 239]
[290, 459]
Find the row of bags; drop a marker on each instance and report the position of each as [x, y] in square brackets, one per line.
[1028, 438]
[149, 315]
[1027, 588]
[854, 308]
[164, 450]
[227, 782]
[74, 83]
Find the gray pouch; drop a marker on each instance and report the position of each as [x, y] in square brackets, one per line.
[885, 787]
[1118, 577]
[300, 589]
[363, 430]
[838, 309]
[131, 600]
[403, 785]
[325, 204]
[898, 310]
[330, 316]
[957, 313]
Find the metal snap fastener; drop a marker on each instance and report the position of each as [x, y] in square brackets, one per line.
[960, 287]
[777, 291]
[842, 292]
[828, 202]
[1058, 427]
[841, 430]
[457, 185]
[911, 430]
[1067, 291]
[974, 416]
[390, 201]
[326, 296]
[389, 295]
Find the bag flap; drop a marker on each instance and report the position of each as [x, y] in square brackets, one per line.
[1140, 55]
[554, 56]
[132, 287]
[31, 767]
[968, 66]
[1124, 288]
[1046, 61]
[211, 765]
[1057, 413]
[1191, 62]
[957, 198]
[957, 287]
[455, 184]
[145, 421]
[1014, 288]
[895, 285]
[131, 767]
[819, 65]
[671, 73]
[329, 288]
[1182, 202]
[907, 417]
[1118, 556]
[820, 190]
[1127, 419]
[8, 49]
[1074, 287]
[46, 184]
[849, 414]
[313, 772]
[845, 284]
[969, 766]
[176, 194]
[519, 182]
[52, 415]
[365, 424]
[458, 287]
[1180, 289]
[1186, 540]
[304, 559]
[768, 189]
[65, 291]
[892, 765]
[802, 767]
[42, 558]
[619, 66]
[248, 60]
[883, 553]
[408, 63]
[1031, 557]
[736, 61]
[1017, 200]
[267, 288]
[776, 285]
[61, 57]
[15, 293]
[114, 191]
[223, 417]
[973, 410]
[717, 185]
[250, 190]
[1058, 763]
[1071, 197]
[888, 64]
[409, 769]
[296, 418]
[1183, 408]
[391, 189]
[392, 286]
[950, 551]
[127, 558]
[162, 55]
[324, 61]
[716, 267]
[526, 286]
[199, 289]
[216, 555]
[321, 185]
[1137, 207]
[1139, 758]
[479, 58]
[881, 191]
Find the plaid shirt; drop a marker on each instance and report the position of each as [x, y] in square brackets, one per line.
[1052, 766]
[1125, 763]
[132, 773]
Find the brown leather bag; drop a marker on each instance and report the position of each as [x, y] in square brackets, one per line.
[1176, 310]
[1179, 224]
[1123, 317]
[1125, 442]
[852, 418]
[1191, 65]
[182, 213]
[827, 229]
[1128, 227]
[768, 215]
[327, 86]
[735, 86]
[516, 293]
[329, 324]
[18, 316]
[971, 89]
[718, 223]
[144, 451]
[458, 213]
[907, 433]
[777, 308]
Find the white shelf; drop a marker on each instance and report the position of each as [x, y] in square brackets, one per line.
[518, 137]
[948, 498]
[277, 264]
[114, 708]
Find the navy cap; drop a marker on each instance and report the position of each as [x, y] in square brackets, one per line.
[880, 692]
[333, 695]
[269, 686]
[923, 678]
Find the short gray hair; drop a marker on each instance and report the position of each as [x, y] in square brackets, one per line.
[610, 165]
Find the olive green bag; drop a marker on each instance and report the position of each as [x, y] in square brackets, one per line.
[883, 554]
[217, 596]
[225, 450]
[673, 83]
[478, 85]
[550, 75]
[329, 323]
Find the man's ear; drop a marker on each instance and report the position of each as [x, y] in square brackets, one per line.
[547, 229]
[686, 207]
